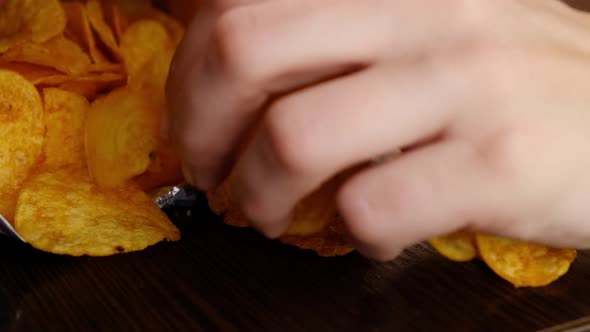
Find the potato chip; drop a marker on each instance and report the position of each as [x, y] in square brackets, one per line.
[331, 241]
[90, 85]
[21, 136]
[141, 10]
[63, 212]
[78, 29]
[107, 67]
[88, 90]
[141, 42]
[115, 19]
[327, 241]
[310, 215]
[100, 81]
[524, 264]
[164, 169]
[33, 73]
[458, 246]
[65, 116]
[59, 53]
[175, 29]
[313, 213]
[121, 131]
[97, 22]
[30, 21]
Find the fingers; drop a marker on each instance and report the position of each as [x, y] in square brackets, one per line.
[261, 49]
[185, 72]
[428, 192]
[310, 136]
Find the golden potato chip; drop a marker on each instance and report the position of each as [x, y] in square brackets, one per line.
[106, 67]
[30, 21]
[63, 212]
[141, 42]
[89, 85]
[78, 29]
[331, 241]
[175, 29]
[328, 241]
[313, 213]
[115, 19]
[100, 81]
[310, 216]
[88, 90]
[97, 22]
[458, 246]
[524, 264]
[164, 169]
[141, 10]
[21, 136]
[121, 131]
[33, 73]
[59, 53]
[65, 115]
[49, 77]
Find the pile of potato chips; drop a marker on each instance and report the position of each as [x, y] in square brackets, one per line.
[81, 97]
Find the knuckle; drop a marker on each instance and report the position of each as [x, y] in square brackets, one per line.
[504, 152]
[289, 142]
[233, 39]
[488, 68]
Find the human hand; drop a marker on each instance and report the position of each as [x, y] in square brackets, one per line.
[489, 98]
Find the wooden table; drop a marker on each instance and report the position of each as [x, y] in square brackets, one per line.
[219, 278]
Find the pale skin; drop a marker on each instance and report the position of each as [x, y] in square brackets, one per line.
[490, 98]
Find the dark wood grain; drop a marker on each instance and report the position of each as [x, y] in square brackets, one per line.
[219, 278]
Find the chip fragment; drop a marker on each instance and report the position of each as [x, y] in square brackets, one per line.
[330, 241]
[63, 212]
[21, 134]
[522, 263]
[458, 246]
